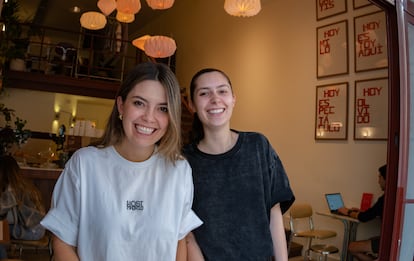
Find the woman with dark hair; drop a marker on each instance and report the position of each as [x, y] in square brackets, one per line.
[130, 196]
[20, 203]
[240, 185]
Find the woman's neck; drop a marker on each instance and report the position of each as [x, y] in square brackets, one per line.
[218, 142]
[134, 154]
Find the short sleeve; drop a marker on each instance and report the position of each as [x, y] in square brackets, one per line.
[189, 219]
[63, 217]
[281, 191]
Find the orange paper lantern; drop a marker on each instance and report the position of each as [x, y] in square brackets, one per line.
[243, 8]
[160, 4]
[106, 6]
[124, 17]
[159, 46]
[93, 20]
[128, 6]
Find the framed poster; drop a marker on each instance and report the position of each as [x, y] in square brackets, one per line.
[370, 42]
[328, 8]
[331, 121]
[361, 3]
[371, 109]
[332, 49]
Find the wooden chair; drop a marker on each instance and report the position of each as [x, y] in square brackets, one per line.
[44, 243]
[304, 212]
[4, 232]
[5, 237]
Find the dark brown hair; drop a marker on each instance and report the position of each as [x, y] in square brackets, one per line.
[197, 132]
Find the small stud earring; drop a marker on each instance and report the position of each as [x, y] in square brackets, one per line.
[120, 117]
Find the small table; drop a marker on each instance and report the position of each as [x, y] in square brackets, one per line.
[350, 229]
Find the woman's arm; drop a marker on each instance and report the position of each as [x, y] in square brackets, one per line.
[193, 250]
[181, 251]
[63, 251]
[277, 229]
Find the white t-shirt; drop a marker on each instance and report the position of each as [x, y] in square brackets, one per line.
[114, 209]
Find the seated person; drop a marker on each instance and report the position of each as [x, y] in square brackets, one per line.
[361, 249]
[20, 203]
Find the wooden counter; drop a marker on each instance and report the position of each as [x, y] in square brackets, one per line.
[44, 180]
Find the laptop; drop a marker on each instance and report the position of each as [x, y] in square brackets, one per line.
[334, 201]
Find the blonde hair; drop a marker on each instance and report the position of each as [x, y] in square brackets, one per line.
[170, 144]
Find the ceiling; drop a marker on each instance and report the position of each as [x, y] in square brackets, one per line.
[58, 14]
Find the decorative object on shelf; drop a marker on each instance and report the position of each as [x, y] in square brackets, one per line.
[242, 8]
[331, 115]
[93, 20]
[159, 46]
[13, 41]
[160, 4]
[106, 6]
[124, 17]
[10, 136]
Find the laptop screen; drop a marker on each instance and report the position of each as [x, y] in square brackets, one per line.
[334, 201]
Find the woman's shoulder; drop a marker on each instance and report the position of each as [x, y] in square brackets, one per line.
[90, 151]
[253, 136]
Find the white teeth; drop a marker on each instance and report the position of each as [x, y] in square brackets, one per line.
[145, 130]
[216, 111]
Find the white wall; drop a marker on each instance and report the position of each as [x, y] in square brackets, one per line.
[271, 60]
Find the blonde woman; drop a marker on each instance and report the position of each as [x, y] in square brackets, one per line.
[130, 196]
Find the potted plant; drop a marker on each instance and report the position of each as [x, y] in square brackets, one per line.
[12, 46]
[12, 135]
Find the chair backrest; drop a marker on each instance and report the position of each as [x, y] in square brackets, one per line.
[4, 232]
[301, 211]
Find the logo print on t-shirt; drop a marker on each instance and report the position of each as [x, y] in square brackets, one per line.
[135, 205]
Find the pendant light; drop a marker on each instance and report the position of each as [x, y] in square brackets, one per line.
[93, 20]
[159, 46]
[140, 42]
[160, 4]
[124, 17]
[128, 6]
[242, 8]
[106, 6]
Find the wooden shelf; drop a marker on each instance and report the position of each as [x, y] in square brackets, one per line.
[61, 84]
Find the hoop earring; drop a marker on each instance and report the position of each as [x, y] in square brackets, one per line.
[120, 117]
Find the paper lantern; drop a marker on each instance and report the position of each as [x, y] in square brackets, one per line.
[140, 42]
[159, 46]
[106, 6]
[124, 17]
[93, 20]
[243, 8]
[128, 6]
[160, 4]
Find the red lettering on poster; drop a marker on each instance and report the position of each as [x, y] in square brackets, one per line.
[326, 5]
[368, 45]
[325, 109]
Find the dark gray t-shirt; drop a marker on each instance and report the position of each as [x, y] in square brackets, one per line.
[233, 195]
